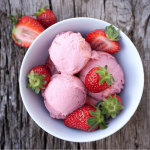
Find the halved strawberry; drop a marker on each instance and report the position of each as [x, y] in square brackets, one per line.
[104, 40]
[26, 29]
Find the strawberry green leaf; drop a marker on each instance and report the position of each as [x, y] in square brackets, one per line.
[111, 33]
[18, 40]
[35, 81]
[14, 37]
[13, 19]
[91, 120]
[37, 90]
[103, 126]
[97, 119]
[93, 113]
[113, 115]
[117, 39]
[107, 114]
[33, 88]
[42, 87]
[40, 11]
[44, 82]
[94, 125]
[111, 106]
[19, 15]
[116, 33]
[104, 111]
[105, 75]
[93, 105]
[104, 99]
[28, 86]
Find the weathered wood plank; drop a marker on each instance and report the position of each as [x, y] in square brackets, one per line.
[17, 129]
[141, 39]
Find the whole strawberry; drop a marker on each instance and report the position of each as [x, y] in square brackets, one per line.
[26, 29]
[112, 105]
[86, 118]
[106, 41]
[46, 17]
[98, 79]
[39, 77]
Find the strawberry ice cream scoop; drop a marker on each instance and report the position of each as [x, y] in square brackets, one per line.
[99, 58]
[63, 95]
[70, 52]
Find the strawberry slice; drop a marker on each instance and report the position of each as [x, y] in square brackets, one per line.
[106, 41]
[26, 29]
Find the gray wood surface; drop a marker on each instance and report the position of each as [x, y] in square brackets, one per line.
[17, 129]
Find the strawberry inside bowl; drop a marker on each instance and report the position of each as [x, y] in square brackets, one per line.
[127, 57]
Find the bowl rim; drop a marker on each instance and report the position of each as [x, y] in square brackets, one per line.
[37, 122]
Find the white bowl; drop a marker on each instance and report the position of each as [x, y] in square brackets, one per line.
[128, 57]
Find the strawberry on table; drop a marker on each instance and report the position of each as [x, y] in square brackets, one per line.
[106, 41]
[98, 79]
[86, 118]
[46, 17]
[26, 29]
[111, 105]
[39, 77]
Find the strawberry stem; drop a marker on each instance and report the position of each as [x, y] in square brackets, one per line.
[98, 118]
[112, 34]
[111, 106]
[13, 19]
[105, 75]
[35, 81]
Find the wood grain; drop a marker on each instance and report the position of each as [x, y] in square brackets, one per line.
[17, 129]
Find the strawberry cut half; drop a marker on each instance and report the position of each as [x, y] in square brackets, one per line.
[106, 41]
[26, 29]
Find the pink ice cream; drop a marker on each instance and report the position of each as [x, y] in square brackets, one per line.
[70, 52]
[63, 95]
[102, 59]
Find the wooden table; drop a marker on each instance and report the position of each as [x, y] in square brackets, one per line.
[17, 129]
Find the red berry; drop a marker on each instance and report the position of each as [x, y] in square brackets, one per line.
[39, 77]
[98, 79]
[86, 118]
[46, 17]
[26, 29]
[112, 105]
[106, 41]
